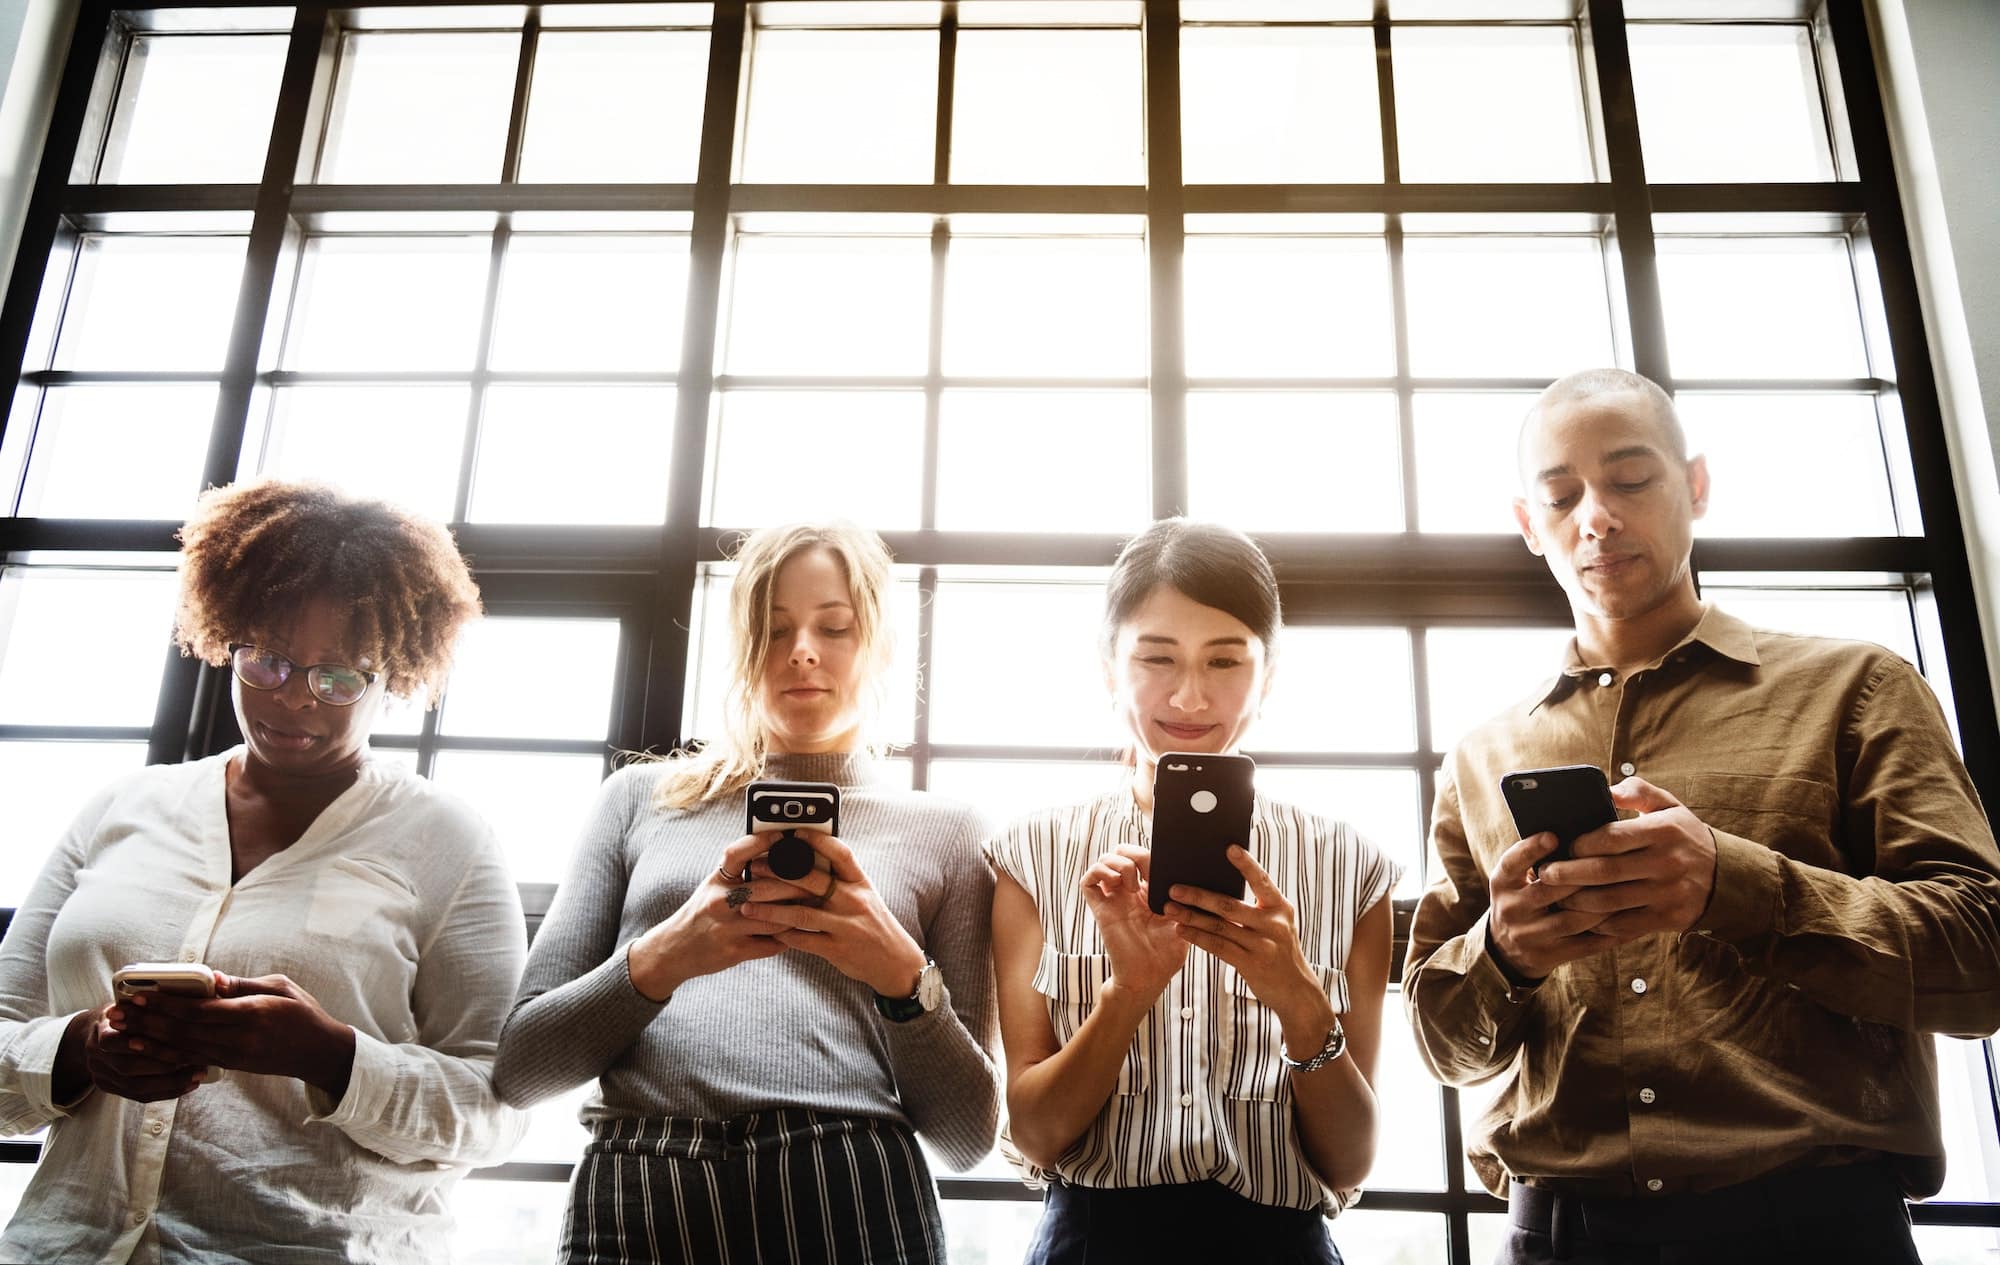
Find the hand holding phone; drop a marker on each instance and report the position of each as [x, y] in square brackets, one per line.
[178, 979]
[1568, 802]
[1201, 805]
[795, 809]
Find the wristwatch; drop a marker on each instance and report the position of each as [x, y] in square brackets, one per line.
[922, 1000]
[1336, 1045]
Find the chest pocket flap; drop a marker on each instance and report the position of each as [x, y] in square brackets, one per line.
[1070, 981]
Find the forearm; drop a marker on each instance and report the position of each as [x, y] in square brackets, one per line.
[35, 1088]
[571, 1033]
[1920, 954]
[948, 1084]
[1050, 1104]
[1335, 1110]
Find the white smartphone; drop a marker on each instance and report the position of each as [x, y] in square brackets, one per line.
[181, 979]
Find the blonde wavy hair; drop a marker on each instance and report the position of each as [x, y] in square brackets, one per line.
[733, 759]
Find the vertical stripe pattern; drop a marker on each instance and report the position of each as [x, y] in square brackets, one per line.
[1203, 1094]
[790, 1185]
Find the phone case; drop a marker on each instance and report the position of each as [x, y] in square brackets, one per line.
[182, 979]
[793, 807]
[1569, 801]
[1201, 805]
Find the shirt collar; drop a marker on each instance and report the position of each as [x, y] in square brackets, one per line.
[1718, 630]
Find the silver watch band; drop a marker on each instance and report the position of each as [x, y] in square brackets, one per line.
[1336, 1045]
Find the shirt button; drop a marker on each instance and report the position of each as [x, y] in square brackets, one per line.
[1638, 986]
[1187, 1012]
[1606, 679]
[1486, 1040]
[1627, 769]
[157, 1128]
[187, 955]
[1647, 1096]
[138, 1216]
[1654, 1183]
[1187, 1100]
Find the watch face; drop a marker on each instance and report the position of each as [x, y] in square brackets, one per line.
[930, 986]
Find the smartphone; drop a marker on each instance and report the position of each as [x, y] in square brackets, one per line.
[1569, 801]
[1201, 805]
[794, 808]
[181, 979]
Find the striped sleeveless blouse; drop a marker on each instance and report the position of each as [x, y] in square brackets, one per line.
[1204, 1094]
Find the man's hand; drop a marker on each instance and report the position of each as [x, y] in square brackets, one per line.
[1632, 878]
[1653, 872]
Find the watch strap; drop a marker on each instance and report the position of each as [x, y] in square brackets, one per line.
[1335, 1046]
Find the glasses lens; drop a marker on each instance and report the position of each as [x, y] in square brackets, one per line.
[339, 686]
[261, 669]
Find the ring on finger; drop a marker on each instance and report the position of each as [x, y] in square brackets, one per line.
[819, 901]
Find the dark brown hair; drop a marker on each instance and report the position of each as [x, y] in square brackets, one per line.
[254, 554]
[1211, 564]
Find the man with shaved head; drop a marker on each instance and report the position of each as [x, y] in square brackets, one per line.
[1712, 1025]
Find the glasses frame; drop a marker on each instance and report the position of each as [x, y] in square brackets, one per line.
[313, 674]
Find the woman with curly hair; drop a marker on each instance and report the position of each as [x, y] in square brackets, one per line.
[766, 1049]
[363, 930]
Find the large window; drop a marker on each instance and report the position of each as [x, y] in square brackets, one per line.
[603, 284]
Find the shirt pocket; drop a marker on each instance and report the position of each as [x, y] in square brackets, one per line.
[1255, 1063]
[1070, 981]
[351, 892]
[1791, 815]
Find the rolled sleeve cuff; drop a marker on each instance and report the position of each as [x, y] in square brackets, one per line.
[370, 1083]
[1471, 957]
[36, 1064]
[1744, 904]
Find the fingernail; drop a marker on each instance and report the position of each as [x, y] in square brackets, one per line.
[115, 1015]
[135, 1043]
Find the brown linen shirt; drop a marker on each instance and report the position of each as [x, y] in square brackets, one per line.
[1856, 911]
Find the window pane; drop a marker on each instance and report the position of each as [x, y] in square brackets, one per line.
[1410, 1144]
[389, 303]
[119, 451]
[555, 1134]
[615, 105]
[1957, 1245]
[1790, 465]
[14, 1179]
[399, 443]
[1296, 461]
[194, 109]
[849, 305]
[1877, 615]
[591, 303]
[1489, 104]
[1339, 689]
[1289, 307]
[1044, 461]
[1966, 1097]
[1488, 1231]
[535, 803]
[793, 456]
[857, 107]
[610, 466]
[109, 627]
[1048, 107]
[1466, 443]
[978, 624]
[709, 662]
[44, 785]
[1761, 307]
[426, 107]
[1728, 103]
[1380, 803]
[501, 679]
[509, 1223]
[1058, 307]
[988, 1230]
[1287, 106]
[1366, 1235]
[1475, 673]
[1005, 790]
[1515, 307]
[151, 303]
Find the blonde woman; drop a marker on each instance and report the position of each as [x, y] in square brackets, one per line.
[764, 1050]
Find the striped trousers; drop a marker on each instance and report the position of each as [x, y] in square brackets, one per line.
[768, 1188]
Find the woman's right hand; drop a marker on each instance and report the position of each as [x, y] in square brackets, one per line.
[1146, 949]
[707, 934]
[94, 1055]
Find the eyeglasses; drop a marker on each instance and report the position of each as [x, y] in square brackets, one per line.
[333, 683]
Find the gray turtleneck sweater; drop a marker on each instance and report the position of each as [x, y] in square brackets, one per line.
[785, 1031]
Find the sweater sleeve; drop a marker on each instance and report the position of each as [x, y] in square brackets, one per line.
[946, 1074]
[578, 1010]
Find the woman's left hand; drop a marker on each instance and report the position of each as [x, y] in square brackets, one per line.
[268, 1025]
[1261, 941]
[840, 917]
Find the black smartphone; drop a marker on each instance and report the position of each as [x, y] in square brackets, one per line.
[1201, 805]
[1568, 801]
[794, 808]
